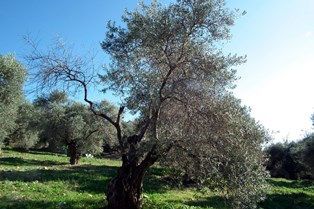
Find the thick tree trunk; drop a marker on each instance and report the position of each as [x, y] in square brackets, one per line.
[74, 153]
[125, 190]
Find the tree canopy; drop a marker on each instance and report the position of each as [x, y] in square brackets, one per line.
[69, 125]
[26, 131]
[292, 160]
[12, 77]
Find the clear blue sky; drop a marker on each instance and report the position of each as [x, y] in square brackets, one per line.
[276, 35]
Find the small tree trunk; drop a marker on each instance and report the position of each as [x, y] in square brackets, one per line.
[74, 153]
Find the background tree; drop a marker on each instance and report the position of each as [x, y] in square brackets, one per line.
[164, 57]
[292, 160]
[276, 153]
[25, 134]
[12, 76]
[51, 109]
[107, 131]
[70, 126]
[83, 132]
[307, 154]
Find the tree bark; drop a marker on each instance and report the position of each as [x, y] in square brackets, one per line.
[75, 155]
[125, 190]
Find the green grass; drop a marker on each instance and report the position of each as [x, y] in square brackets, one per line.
[30, 180]
[287, 194]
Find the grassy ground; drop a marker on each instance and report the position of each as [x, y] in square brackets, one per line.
[30, 180]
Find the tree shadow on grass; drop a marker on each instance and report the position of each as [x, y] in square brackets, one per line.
[33, 151]
[159, 179]
[88, 178]
[214, 202]
[302, 184]
[18, 161]
[288, 201]
[8, 203]
[273, 201]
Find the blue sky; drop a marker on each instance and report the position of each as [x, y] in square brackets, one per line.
[276, 35]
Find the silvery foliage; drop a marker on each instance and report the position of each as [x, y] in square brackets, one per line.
[26, 131]
[12, 76]
[85, 129]
[63, 121]
[219, 145]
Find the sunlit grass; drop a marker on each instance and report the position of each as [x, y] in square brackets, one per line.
[30, 180]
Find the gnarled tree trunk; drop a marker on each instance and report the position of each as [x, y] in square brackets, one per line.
[125, 190]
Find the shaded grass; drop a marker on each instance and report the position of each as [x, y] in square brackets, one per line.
[18, 161]
[289, 194]
[46, 180]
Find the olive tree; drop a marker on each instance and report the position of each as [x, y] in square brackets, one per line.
[68, 125]
[12, 76]
[83, 132]
[168, 68]
[307, 154]
[51, 109]
[25, 134]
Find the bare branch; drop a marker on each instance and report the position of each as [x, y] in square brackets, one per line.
[59, 66]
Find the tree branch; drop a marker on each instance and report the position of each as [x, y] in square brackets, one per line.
[59, 66]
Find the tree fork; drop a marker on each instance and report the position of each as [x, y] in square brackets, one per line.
[126, 190]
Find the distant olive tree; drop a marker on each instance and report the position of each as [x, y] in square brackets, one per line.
[307, 155]
[25, 134]
[12, 76]
[70, 126]
[84, 132]
[169, 70]
[51, 108]
[293, 160]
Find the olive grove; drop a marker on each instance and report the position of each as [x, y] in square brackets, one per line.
[167, 66]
